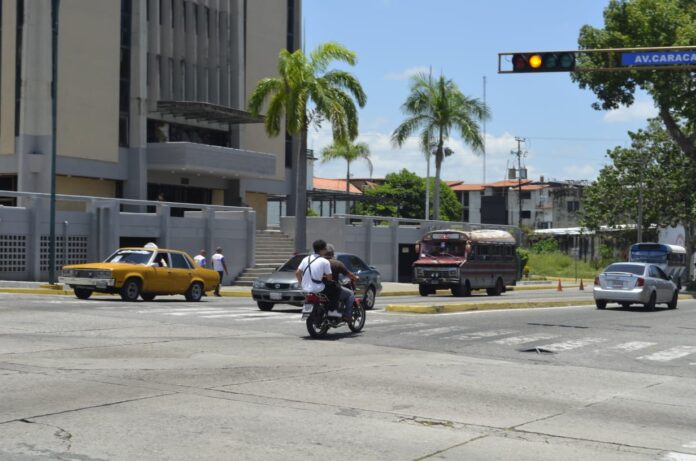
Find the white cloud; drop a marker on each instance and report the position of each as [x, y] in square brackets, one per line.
[407, 73]
[638, 111]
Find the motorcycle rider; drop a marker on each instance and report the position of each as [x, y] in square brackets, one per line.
[346, 295]
[314, 273]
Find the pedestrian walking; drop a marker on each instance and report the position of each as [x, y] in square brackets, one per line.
[220, 267]
[200, 259]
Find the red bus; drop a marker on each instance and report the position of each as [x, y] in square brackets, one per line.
[464, 261]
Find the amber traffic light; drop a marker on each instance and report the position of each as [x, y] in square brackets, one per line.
[543, 62]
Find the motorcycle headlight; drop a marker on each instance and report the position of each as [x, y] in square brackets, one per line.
[259, 284]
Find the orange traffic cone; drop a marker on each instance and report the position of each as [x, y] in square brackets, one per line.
[559, 287]
[582, 287]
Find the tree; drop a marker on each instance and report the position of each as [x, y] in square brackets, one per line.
[433, 109]
[305, 92]
[401, 196]
[655, 165]
[349, 152]
[645, 23]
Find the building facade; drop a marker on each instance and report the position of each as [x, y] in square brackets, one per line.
[150, 99]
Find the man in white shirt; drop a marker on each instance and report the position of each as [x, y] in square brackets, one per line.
[314, 270]
[219, 266]
[200, 259]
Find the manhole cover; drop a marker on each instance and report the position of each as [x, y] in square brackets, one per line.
[538, 350]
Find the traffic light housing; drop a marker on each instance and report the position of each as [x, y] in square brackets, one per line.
[543, 62]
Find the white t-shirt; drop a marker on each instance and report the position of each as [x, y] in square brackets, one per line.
[218, 259]
[319, 267]
[200, 260]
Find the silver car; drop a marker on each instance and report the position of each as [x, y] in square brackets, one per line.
[634, 283]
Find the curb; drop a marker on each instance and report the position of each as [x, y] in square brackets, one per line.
[463, 307]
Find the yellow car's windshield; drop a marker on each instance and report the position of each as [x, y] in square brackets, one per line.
[130, 257]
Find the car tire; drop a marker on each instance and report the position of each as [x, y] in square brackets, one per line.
[82, 293]
[650, 305]
[147, 296]
[424, 290]
[497, 290]
[673, 303]
[369, 298]
[195, 292]
[130, 290]
[265, 306]
[600, 303]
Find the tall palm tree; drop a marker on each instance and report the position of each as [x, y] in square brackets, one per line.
[349, 152]
[433, 109]
[303, 93]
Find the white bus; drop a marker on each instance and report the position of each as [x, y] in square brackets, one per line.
[671, 259]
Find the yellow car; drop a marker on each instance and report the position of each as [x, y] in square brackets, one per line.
[145, 272]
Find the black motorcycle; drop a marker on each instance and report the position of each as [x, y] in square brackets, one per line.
[319, 318]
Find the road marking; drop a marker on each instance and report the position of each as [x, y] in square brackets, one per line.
[182, 314]
[632, 346]
[432, 331]
[572, 344]
[242, 315]
[670, 354]
[482, 334]
[183, 309]
[672, 456]
[516, 340]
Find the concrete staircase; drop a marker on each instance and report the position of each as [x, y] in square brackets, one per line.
[273, 248]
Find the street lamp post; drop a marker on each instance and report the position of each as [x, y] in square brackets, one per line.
[55, 5]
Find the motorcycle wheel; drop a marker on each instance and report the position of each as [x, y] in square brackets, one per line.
[317, 331]
[358, 321]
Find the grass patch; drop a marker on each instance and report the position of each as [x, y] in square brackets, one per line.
[558, 264]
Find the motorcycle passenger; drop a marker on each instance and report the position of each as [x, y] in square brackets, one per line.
[346, 295]
[314, 272]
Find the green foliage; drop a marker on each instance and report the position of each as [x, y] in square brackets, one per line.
[644, 23]
[349, 152]
[402, 195]
[523, 255]
[434, 108]
[606, 252]
[547, 245]
[311, 212]
[557, 264]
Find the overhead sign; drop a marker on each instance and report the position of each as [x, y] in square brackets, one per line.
[659, 58]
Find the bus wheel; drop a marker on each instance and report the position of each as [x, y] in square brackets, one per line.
[424, 290]
[462, 290]
[497, 290]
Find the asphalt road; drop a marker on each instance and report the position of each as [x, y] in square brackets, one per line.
[102, 379]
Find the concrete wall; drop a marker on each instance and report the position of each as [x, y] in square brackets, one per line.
[7, 79]
[94, 234]
[375, 239]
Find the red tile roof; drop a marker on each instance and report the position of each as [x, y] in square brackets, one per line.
[335, 185]
[468, 187]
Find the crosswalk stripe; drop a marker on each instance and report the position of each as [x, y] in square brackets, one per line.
[517, 340]
[183, 314]
[432, 331]
[242, 315]
[482, 334]
[670, 354]
[632, 346]
[572, 344]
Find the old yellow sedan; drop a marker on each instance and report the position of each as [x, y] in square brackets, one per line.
[141, 272]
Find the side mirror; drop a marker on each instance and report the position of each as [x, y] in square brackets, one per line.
[373, 268]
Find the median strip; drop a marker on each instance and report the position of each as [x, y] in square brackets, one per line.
[472, 306]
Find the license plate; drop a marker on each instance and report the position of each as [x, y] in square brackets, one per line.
[307, 308]
[617, 285]
[101, 284]
[276, 296]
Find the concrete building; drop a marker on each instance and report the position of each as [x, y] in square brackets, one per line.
[151, 97]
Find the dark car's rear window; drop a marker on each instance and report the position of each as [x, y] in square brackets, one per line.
[628, 268]
[292, 264]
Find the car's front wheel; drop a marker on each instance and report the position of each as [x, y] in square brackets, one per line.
[265, 306]
[195, 292]
[83, 293]
[130, 290]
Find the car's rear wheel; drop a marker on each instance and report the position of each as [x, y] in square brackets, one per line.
[369, 299]
[673, 303]
[195, 292]
[264, 306]
[600, 303]
[651, 302]
[497, 290]
[130, 290]
[147, 296]
[83, 293]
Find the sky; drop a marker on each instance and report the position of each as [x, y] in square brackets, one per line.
[566, 139]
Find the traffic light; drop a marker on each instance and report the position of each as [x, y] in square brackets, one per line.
[543, 62]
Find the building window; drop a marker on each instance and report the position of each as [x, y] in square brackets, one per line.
[290, 39]
[465, 215]
[526, 214]
[526, 195]
[573, 206]
[195, 17]
[18, 63]
[125, 73]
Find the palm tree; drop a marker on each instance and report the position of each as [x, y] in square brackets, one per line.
[349, 152]
[433, 109]
[303, 93]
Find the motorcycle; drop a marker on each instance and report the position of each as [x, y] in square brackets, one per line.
[319, 318]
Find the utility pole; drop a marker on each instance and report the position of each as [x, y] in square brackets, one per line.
[484, 132]
[519, 154]
[55, 6]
